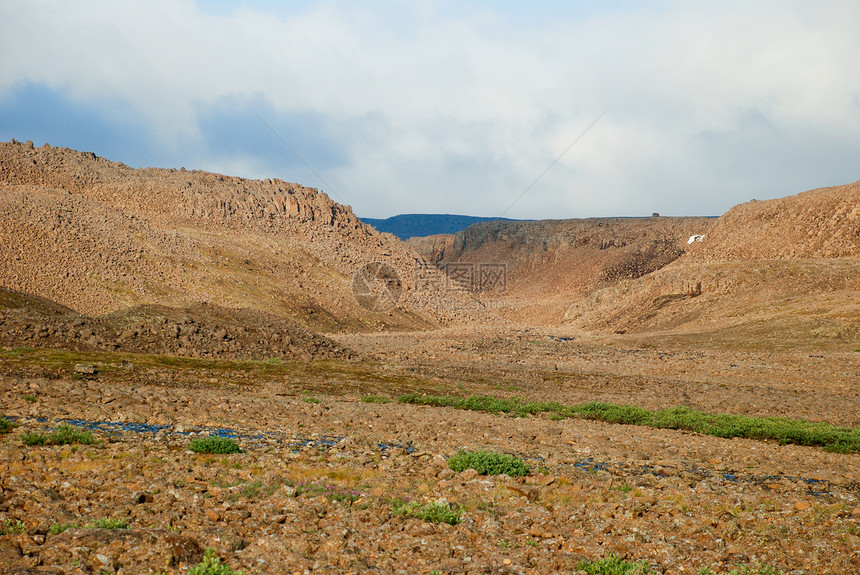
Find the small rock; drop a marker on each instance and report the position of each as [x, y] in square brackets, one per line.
[468, 475]
[83, 368]
[802, 505]
[446, 473]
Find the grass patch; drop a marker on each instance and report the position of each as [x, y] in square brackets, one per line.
[108, 524]
[374, 399]
[615, 565]
[214, 444]
[57, 528]
[7, 425]
[29, 397]
[488, 463]
[64, 435]
[67, 435]
[783, 430]
[310, 399]
[431, 512]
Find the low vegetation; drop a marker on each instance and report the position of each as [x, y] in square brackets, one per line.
[7, 425]
[214, 444]
[488, 463]
[9, 527]
[108, 524]
[64, 435]
[431, 512]
[375, 399]
[57, 528]
[614, 565]
[211, 565]
[785, 431]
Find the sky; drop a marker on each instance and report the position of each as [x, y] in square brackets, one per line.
[541, 109]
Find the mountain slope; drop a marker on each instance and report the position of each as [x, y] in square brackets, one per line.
[784, 271]
[98, 236]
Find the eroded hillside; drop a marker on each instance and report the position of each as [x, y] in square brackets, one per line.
[780, 272]
[98, 236]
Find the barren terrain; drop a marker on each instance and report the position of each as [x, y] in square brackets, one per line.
[153, 308]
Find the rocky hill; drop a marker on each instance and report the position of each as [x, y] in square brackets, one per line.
[784, 270]
[98, 237]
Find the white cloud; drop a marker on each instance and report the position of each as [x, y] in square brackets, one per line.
[438, 108]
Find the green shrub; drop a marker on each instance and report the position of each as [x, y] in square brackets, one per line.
[612, 413]
[33, 439]
[785, 431]
[375, 399]
[310, 399]
[7, 425]
[211, 565]
[488, 463]
[214, 444]
[431, 512]
[58, 528]
[66, 435]
[109, 524]
[615, 565]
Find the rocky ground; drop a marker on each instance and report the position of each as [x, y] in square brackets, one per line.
[322, 473]
[199, 331]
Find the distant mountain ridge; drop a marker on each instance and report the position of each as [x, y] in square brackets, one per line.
[406, 226]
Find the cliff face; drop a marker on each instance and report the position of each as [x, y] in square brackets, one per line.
[99, 236]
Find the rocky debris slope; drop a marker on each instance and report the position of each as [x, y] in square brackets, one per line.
[98, 236]
[822, 223]
[789, 267]
[201, 331]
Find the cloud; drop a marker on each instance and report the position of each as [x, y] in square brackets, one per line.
[437, 106]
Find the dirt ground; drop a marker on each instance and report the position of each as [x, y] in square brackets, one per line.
[322, 473]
